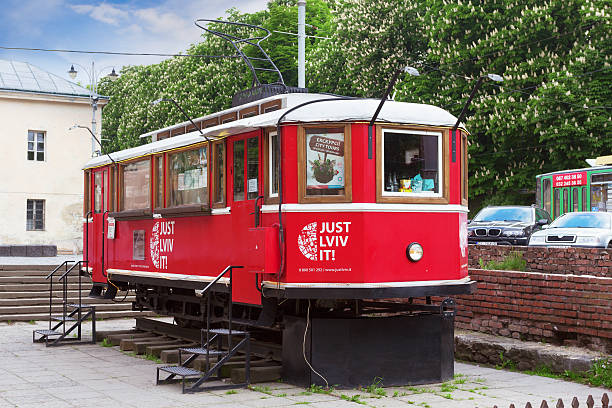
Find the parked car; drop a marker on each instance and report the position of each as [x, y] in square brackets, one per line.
[506, 225]
[577, 229]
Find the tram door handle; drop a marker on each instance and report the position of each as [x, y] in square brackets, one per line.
[257, 211]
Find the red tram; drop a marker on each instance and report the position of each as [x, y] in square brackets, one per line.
[291, 187]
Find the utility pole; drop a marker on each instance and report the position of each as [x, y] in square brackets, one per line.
[301, 43]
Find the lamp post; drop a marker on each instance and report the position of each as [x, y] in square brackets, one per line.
[492, 77]
[93, 94]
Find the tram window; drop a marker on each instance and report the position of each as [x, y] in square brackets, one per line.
[556, 203]
[546, 192]
[584, 199]
[98, 192]
[159, 182]
[273, 164]
[135, 186]
[252, 168]
[218, 171]
[565, 201]
[239, 170]
[575, 199]
[411, 163]
[188, 177]
[538, 193]
[325, 164]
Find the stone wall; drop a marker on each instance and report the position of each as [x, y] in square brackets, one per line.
[576, 261]
[554, 308]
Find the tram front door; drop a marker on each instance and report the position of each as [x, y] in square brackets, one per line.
[245, 191]
[100, 206]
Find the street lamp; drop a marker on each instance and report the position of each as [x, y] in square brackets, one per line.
[93, 95]
[93, 136]
[492, 77]
[409, 70]
[157, 101]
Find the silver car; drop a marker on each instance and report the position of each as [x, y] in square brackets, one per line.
[576, 229]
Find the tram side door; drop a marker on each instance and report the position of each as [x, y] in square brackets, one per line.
[245, 190]
[100, 205]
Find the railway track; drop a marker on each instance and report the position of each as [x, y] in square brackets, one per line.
[160, 341]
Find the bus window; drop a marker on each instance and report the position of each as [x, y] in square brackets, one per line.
[599, 197]
[575, 199]
[584, 199]
[556, 203]
[565, 201]
[546, 192]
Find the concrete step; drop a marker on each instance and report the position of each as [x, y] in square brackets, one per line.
[40, 279]
[26, 293]
[24, 273]
[45, 300]
[102, 315]
[57, 308]
[39, 287]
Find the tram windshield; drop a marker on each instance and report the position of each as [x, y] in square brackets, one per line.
[582, 220]
[504, 214]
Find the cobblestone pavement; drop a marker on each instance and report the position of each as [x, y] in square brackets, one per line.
[32, 375]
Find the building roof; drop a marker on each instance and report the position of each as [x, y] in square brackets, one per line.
[24, 77]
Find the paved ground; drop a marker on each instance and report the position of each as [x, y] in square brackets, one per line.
[95, 376]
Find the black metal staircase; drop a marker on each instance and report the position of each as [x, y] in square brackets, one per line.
[211, 345]
[73, 314]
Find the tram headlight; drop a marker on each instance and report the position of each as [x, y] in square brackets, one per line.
[414, 252]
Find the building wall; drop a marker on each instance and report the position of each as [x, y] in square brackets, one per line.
[58, 180]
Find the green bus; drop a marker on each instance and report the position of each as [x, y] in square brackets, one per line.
[588, 189]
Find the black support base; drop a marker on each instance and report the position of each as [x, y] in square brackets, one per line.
[399, 350]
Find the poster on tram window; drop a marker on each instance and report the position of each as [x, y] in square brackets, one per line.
[325, 160]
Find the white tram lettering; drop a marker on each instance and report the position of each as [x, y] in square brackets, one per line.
[335, 227]
[167, 228]
[166, 245]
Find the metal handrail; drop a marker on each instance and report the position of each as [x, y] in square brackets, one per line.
[51, 288]
[57, 269]
[206, 292]
[65, 287]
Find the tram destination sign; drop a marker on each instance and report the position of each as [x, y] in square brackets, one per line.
[570, 179]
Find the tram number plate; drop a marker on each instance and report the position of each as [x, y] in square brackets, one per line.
[486, 243]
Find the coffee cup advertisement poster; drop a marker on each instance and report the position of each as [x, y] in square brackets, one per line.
[325, 156]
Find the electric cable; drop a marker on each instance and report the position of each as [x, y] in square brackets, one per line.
[138, 54]
[304, 347]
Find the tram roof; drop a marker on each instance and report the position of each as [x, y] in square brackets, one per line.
[592, 168]
[333, 111]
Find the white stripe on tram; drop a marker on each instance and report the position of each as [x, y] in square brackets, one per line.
[366, 207]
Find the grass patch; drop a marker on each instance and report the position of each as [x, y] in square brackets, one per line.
[599, 375]
[281, 395]
[376, 388]
[317, 389]
[106, 342]
[302, 403]
[513, 262]
[32, 322]
[265, 390]
[231, 392]
[153, 358]
[505, 363]
[355, 398]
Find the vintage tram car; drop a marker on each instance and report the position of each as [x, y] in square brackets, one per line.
[325, 213]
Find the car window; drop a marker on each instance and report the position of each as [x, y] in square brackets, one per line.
[582, 220]
[522, 214]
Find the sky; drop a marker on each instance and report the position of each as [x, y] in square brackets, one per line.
[140, 26]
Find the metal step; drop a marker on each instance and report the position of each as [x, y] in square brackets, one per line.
[47, 333]
[41, 287]
[201, 351]
[27, 292]
[181, 371]
[226, 331]
[63, 318]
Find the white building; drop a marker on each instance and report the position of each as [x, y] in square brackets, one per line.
[41, 182]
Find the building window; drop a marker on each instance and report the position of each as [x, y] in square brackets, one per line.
[36, 145]
[188, 177]
[35, 215]
[324, 160]
[135, 191]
